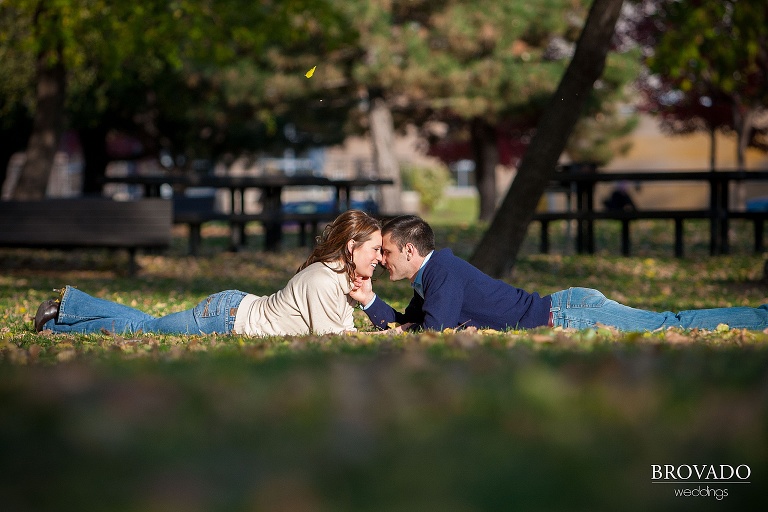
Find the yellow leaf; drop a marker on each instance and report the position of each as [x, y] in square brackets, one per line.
[310, 72]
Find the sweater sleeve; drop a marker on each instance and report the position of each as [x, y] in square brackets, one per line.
[382, 314]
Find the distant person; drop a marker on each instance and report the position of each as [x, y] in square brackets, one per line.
[620, 200]
[315, 300]
[451, 293]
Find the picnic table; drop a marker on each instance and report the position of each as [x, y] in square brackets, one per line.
[580, 185]
[272, 214]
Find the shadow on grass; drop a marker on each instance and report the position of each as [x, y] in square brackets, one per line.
[399, 429]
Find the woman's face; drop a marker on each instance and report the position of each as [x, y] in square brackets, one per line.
[366, 255]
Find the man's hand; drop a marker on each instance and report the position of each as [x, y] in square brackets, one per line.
[362, 290]
[400, 329]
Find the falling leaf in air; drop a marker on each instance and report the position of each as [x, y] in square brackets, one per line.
[310, 72]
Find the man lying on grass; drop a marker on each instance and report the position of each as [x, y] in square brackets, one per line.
[451, 293]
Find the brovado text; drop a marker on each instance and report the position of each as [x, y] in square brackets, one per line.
[710, 472]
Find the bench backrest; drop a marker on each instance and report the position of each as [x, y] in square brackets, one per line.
[96, 222]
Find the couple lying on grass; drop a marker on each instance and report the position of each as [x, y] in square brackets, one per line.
[319, 299]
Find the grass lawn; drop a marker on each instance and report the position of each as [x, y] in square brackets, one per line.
[454, 421]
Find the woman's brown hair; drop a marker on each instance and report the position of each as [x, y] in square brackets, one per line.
[332, 244]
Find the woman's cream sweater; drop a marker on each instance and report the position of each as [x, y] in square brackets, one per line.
[314, 301]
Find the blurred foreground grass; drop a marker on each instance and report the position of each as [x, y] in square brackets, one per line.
[539, 420]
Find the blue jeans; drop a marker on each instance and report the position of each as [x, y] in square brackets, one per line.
[82, 313]
[581, 308]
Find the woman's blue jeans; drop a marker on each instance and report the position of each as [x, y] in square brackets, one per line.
[82, 313]
[581, 308]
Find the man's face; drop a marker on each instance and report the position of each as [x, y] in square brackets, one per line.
[399, 263]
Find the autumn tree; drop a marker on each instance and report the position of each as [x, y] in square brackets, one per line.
[709, 68]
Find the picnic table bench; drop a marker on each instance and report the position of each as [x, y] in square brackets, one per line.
[718, 213]
[195, 211]
[87, 222]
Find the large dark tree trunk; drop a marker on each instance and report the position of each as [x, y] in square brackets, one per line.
[486, 155]
[382, 137]
[497, 251]
[94, 144]
[46, 128]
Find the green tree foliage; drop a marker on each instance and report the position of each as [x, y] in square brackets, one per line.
[602, 132]
[166, 71]
[484, 70]
[553, 130]
[429, 181]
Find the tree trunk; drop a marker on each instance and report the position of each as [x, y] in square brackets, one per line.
[385, 162]
[486, 155]
[742, 119]
[46, 128]
[497, 251]
[94, 144]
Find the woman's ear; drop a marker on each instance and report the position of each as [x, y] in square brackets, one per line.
[350, 246]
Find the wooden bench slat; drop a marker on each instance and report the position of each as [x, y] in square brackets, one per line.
[88, 222]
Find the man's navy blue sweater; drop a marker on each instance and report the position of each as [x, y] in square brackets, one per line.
[456, 294]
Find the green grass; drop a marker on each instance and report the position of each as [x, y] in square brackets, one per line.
[538, 420]
[453, 211]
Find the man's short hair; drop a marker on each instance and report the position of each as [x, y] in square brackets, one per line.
[410, 229]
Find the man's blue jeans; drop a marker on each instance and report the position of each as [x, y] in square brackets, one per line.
[82, 313]
[580, 308]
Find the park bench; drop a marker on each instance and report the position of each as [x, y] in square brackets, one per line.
[87, 222]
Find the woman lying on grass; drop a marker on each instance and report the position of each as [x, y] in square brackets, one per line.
[315, 300]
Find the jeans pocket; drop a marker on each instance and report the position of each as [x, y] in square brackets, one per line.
[210, 306]
[585, 298]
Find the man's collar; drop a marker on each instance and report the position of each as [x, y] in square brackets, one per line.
[416, 284]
